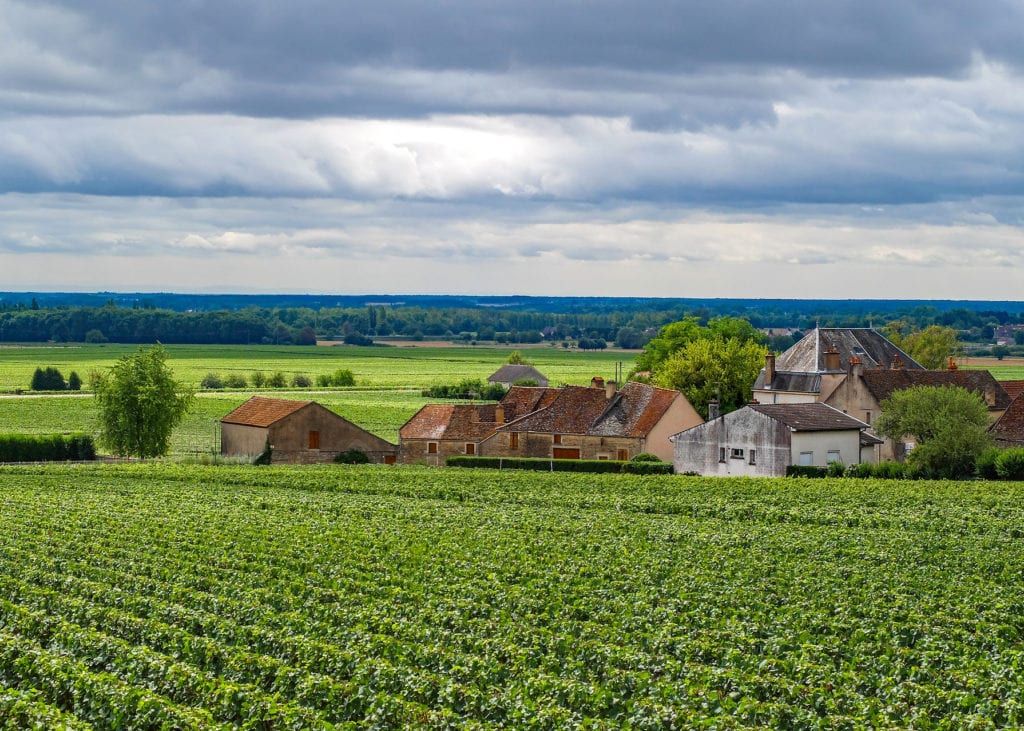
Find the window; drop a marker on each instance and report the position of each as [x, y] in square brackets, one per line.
[431, 447]
[867, 417]
[470, 448]
[721, 454]
[622, 455]
[806, 459]
[314, 440]
[556, 439]
[834, 455]
[513, 440]
[752, 460]
[736, 454]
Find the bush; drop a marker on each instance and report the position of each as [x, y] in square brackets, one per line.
[1010, 464]
[343, 377]
[357, 339]
[835, 469]
[985, 465]
[352, 456]
[862, 471]
[74, 382]
[212, 380]
[796, 470]
[235, 380]
[561, 465]
[890, 470]
[646, 457]
[95, 336]
[46, 448]
[49, 379]
[300, 380]
[277, 379]
[259, 379]
[468, 388]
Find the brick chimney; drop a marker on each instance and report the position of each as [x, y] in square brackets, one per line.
[713, 409]
[832, 360]
[769, 369]
[856, 366]
[597, 382]
[610, 387]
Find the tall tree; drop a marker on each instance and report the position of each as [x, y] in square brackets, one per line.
[931, 347]
[949, 425]
[140, 404]
[713, 368]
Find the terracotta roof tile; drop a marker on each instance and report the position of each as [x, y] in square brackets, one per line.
[881, 382]
[1010, 426]
[261, 411]
[464, 422]
[1013, 388]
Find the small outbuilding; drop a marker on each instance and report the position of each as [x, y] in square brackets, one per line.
[763, 440]
[508, 375]
[299, 432]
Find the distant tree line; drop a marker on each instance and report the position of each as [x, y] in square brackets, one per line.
[630, 326]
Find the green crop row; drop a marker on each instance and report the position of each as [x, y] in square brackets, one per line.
[370, 597]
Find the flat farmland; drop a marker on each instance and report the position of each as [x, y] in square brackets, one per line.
[374, 367]
[180, 596]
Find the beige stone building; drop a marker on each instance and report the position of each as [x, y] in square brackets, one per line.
[299, 432]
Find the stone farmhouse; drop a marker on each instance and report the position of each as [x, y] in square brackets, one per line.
[599, 422]
[300, 432]
[1008, 431]
[763, 440]
[572, 422]
[510, 374]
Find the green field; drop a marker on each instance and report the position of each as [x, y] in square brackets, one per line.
[171, 596]
[374, 367]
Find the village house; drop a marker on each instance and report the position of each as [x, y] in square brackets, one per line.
[299, 432]
[1008, 431]
[763, 440]
[596, 422]
[509, 375]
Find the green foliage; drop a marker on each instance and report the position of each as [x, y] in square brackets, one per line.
[48, 379]
[235, 380]
[74, 381]
[835, 469]
[277, 379]
[46, 448]
[140, 404]
[352, 456]
[516, 358]
[593, 466]
[949, 424]
[301, 380]
[985, 464]
[796, 470]
[212, 381]
[675, 336]
[467, 388]
[931, 347]
[264, 458]
[646, 457]
[709, 368]
[95, 336]
[258, 379]
[168, 596]
[1010, 464]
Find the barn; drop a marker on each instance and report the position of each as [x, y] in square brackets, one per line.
[299, 432]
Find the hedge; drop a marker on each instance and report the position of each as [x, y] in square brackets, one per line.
[46, 448]
[562, 465]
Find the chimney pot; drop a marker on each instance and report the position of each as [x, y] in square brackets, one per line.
[610, 387]
[597, 382]
[769, 369]
[713, 410]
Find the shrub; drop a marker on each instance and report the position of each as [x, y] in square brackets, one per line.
[74, 382]
[1010, 464]
[259, 379]
[863, 470]
[835, 469]
[343, 377]
[796, 470]
[46, 448]
[352, 456]
[277, 379]
[49, 379]
[985, 465]
[646, 457]
[300, 380]
[647, 468]
[324, 380]
[890, 470]
[235, 380]
[212, 380]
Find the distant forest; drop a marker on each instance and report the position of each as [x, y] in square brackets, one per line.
[303, 319]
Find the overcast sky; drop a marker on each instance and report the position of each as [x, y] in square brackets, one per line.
[685, 149]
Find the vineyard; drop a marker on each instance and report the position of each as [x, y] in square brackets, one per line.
[172, 596]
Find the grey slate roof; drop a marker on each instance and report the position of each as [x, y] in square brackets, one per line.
[786, 381]
[809, 417]
[512, 373]
[872, 348]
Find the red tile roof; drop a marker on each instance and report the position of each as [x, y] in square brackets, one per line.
[631, 412]
[1013, 388]
[261, 411]
[1010, 426]
[462, 422]
[523, 400]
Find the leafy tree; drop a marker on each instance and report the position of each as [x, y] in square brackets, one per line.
[629, 338]
[676, 335]
[74, 381]
[95, 336]
[140, 403]
[949, 424]
[516, 358]
[708, 368]
[277, 379]
[930, 347]
[48, 379]
[212, 380]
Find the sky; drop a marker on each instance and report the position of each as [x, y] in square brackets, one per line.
[804, 149]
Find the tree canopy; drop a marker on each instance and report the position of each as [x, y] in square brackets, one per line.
[676, 335]
[713, 368]
[931, 347]
[949, 424]
[140, 404]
